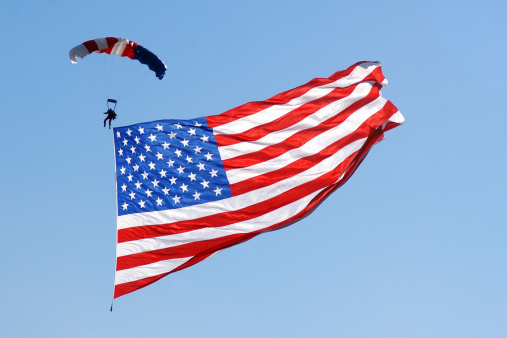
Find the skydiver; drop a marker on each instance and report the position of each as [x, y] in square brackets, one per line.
[111, 115]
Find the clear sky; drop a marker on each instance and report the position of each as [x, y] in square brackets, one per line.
[414, 245]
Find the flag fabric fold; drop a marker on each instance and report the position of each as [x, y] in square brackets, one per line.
[187, 189]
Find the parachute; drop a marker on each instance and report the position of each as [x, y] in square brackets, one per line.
[123, 48]
[118, 76]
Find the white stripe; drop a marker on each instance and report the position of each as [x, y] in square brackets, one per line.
[241, 201]
[119, 47]
[324, 113]
[274, 112]
[142, 245]
[148, 270]
[311, 147]
[78, 51]
[397, 118]
[101, 43]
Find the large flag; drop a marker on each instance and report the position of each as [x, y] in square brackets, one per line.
[187, 189]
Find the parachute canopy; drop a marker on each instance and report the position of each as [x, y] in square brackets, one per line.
[121, 47]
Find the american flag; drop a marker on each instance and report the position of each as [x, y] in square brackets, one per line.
[187, 189]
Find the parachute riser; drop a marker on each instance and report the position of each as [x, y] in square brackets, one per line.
[111, 101]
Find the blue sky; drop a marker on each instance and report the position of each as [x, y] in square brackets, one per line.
[414, 245]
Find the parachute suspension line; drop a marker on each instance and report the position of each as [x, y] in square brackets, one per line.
[131, 69]
[84, 65]
[138, 82]
[108, 74]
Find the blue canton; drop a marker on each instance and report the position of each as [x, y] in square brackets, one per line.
[167, 164]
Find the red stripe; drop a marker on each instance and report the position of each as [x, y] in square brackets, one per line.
[285, 97]
[122, 289]
[129, 49]
[303, 136]
[91, 45]
[181, 251]
[110, 45]
[285, 121]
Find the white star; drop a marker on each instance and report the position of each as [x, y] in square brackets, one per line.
[218, 191]
[137, 139]
[178, 126]
[148, 192]
[178, 152]
[166, 190]
[201, 166]
[184, 187]
[132, 195]
[130, 177]
[125, 141]
[192, 177]
[205, 184]
[180, 169]
[208, 156]
[118, 135]
[176, 199]
[147, 147]
[159, 201]
[142, 157]
[205, 138]
[141, 203]
[120, 152]
[172, 134]
[152, 165]
[170, 163]
[213, 173]
[189, 159]
[197, 149]
[141, 130]
[138, 185]
[122, 169]
[144, 175]
[166, 145]
[173, 180]
[136, 167]
[133, 149]
[197, 124]
[191, 131]
[162, 173]
[125, 205]
[152, 137]
[155, 182]
[128, 159]
[159, 128]
[129, 132]
[185, 143]
[123, 187]
[196, 196]
[159, 156]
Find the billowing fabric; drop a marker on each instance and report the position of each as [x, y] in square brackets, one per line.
[121, 47]
[187, 189]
